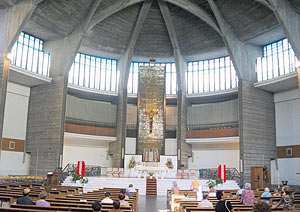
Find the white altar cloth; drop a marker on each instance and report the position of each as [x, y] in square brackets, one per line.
[146, 170]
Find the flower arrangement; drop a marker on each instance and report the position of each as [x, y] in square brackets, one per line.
[213, 183]
[169, 163]
[132, 162]
[83, 180]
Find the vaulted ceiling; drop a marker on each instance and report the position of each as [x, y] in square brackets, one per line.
[114, 21]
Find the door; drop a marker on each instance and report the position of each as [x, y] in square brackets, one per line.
[257, 177]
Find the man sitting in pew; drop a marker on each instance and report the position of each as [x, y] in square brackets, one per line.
[25, 200]
[205, 203]
[116, 206]
[107, 198]
[96, 206]
[122, 200]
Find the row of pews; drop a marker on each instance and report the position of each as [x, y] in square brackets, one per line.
[191, 205]
[61, 198]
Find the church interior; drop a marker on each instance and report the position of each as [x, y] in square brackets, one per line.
[149, 105]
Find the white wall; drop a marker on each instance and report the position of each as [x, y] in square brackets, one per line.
[16, 111]
[14, 126]
[11, 163]
[171, 147]
[130, 146]
[213, 158]
[288, 167]
[90, 155]
[287, 114]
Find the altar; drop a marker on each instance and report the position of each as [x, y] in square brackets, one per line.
[134, 167]
[158, 172]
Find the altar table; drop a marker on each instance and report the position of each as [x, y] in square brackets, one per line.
[146, 170]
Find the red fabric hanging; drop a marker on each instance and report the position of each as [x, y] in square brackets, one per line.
[78, 167]
[83, 169]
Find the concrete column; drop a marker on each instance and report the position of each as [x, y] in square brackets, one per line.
[47, 105]
[257, 128]
[184, 149]
[117, 148]
[12, 20]
[45, 125]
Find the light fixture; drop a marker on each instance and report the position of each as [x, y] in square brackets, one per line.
[9, 56]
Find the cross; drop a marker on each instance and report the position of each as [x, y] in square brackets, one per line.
[151, 114]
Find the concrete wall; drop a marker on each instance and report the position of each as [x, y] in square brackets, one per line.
[257, 128]
[92, 111]
[213, 113]
[287, 110]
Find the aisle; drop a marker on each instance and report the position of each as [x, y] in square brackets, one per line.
[152, 203]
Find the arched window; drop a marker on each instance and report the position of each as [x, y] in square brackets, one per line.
[210, 75]
[94, 72]
[278, 59]
[28, 54]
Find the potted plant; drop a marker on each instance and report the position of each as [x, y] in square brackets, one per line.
[76, 179]
[213, 183]
[169, 163]
[132, 163]
[151, 174]
[84, 180]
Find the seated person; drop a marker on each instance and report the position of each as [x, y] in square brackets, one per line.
[107, 198]
[25, 200]
[195, 185]
[131, 189]
[186, 196]
[116, 206]
[96, 206]
[175, 189]
[122, 200]
[223, 205]
[42, 201]
[287, 199]
[248, 195]
[205, 203]
[126, 194]
[266, 194]
[240, 191]
[261, 207]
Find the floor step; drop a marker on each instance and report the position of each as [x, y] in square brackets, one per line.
[151, 187]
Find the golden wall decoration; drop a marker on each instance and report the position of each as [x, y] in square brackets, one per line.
[151, 113]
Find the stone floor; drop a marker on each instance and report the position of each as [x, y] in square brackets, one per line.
[152, 203]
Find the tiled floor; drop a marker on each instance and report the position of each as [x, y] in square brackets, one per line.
[152, 203]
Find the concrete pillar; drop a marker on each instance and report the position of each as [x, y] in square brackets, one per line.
[12, 20]
[257, 128]
[47, 105]
[117, 148]
[184, 150]
[45, 125]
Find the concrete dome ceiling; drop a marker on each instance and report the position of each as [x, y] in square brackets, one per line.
[55, 19]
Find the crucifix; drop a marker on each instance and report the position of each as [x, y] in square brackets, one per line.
[151, 115]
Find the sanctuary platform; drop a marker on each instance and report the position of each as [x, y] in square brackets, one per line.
[163, 185]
